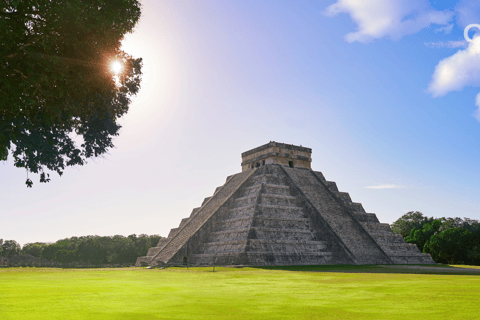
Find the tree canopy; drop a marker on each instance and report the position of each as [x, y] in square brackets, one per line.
[88, 250]
[410, 220]
[447, 240]
[59, 100]
[9, 248]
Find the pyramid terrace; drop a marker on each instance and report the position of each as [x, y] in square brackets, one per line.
[278, 211]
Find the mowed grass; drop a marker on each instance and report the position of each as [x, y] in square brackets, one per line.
[367, 292]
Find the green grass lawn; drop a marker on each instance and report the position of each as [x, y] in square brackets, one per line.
[329, 292]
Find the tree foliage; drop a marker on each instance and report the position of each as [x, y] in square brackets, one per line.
[33, 249]
[94, 250]
[447, 240]
[450, 245]
[9, 248]
[56, 86]
[421, 235]
[409, 221]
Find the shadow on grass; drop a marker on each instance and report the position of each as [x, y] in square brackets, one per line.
[399, 269]
[409, 269]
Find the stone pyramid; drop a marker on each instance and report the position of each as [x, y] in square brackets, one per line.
[278, 211]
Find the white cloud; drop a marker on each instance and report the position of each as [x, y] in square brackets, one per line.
[447, 44]
[476, 114]
[388, 18]
[386, 186]
[457, 71]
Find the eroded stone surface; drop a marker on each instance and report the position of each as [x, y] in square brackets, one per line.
[273, 214]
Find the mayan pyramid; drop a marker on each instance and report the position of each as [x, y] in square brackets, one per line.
[278, 211]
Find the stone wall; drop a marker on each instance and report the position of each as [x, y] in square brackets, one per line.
[277, 153]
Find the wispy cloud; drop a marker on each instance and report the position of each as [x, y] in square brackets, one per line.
[386, 186]
[389, 18]
[467, 12]
[447, 44]
[447, 29]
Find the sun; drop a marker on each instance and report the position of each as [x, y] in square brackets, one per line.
[116, 67]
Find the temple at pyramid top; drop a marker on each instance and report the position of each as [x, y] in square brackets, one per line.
[277, 153]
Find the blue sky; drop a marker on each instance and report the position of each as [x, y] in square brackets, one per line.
[384, 92]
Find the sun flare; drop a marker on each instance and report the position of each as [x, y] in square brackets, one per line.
[116, 67]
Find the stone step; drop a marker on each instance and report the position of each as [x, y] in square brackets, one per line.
[141, 260]
[273, 218]
[224, 246]
[153, 251]
[224, 243]
[263, 229]
[361, 247]
[345, 197]
[267, 178]
[206, 200]
[366, 217]
[332, 186]
[276, 189]
[260, 176]
[247, 198]
[173, 232]
[202, 216]
[277, 200]
[357, 207]
[263, 253]
[284, 224]
[281, 207]
[268, 185]
[383, 234]
[162, 242]
[376, 227]
[277, 196]
[406, 254]
[388, 236]
[400, 246]
[223, 232]
[320, 175]
[183, 222]
[424, 259]
[281, 219]
[267, 241]
[234, 210]
[194, 212]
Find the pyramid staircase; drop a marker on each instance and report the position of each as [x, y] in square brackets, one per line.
[277, 215]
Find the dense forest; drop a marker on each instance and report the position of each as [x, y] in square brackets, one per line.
[447, 240]
[83, 251]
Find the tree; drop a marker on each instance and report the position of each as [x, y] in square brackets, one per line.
[409, 221]
[10, 248]
[420, 236]
[473, 252]
[34, 249]
[48, 251]
[450, 245]
[65, 256]
[55, 83]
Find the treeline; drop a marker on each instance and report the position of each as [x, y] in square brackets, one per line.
[88, 251]
[447, 240]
